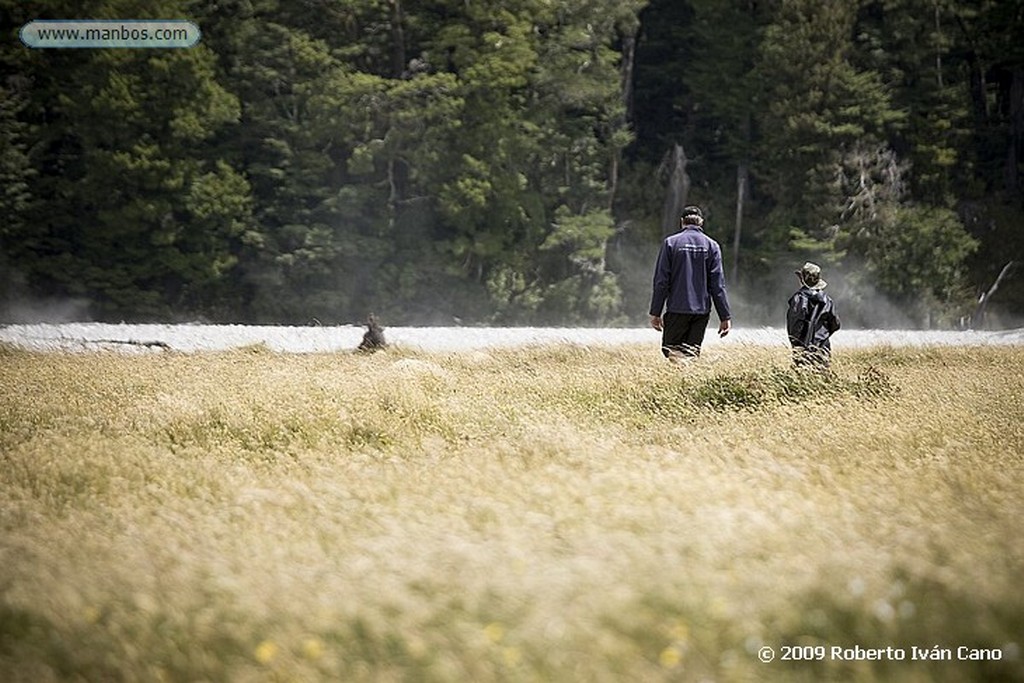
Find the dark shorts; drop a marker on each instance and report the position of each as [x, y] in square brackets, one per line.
[683, 332]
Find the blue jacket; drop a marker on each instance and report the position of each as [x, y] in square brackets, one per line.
[689, 275]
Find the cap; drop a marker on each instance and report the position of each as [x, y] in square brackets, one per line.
[810, 275]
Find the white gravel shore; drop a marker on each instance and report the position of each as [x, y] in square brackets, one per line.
[191, 338]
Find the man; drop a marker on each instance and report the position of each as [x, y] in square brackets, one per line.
[811, 319]
[687, 279]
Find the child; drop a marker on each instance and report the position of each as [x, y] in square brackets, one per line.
[811, 319]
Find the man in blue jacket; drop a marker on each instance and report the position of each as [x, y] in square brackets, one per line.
[687, 279]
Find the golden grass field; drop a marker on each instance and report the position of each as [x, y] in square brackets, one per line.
[539, 514]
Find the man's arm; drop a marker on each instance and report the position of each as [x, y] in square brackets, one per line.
[662, 283]
[716, 287]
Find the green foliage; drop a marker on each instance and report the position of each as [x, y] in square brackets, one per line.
[908, 42]
[835, 109]
[117, 153]
[587, 291]
[583, 237]
[913, 253]
[817, 103]
[15, 171]
[15, 193]
[759, 388]
[917, 255]
[325, 160]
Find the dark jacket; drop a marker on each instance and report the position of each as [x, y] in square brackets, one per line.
[811, 320]
[689, 275]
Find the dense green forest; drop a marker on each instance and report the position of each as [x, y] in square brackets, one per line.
[515, 161]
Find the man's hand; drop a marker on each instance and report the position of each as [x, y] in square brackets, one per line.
[724, 327]
[656, 322]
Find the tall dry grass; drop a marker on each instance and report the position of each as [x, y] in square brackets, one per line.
[543, 514]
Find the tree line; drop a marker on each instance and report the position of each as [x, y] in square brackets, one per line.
[516, 161]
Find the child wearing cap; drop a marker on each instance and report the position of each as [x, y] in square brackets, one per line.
[811, 319]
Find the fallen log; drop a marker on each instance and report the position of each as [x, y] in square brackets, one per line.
[130, 342]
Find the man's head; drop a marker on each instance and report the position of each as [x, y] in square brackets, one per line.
[692, 215]
[810, 276]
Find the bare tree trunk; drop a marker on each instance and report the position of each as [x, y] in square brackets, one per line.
[678, 188]
[613, 180]
[978, 319]
[979, 100]
[628, 62]
[742, 187]
[742, 174]
[1016, 145]
[392, 193]
[397, 39]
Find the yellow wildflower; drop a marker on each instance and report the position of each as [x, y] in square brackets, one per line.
[313, 648]
[670, 657]
[512, 656]
[265, 652]
[494, 632]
